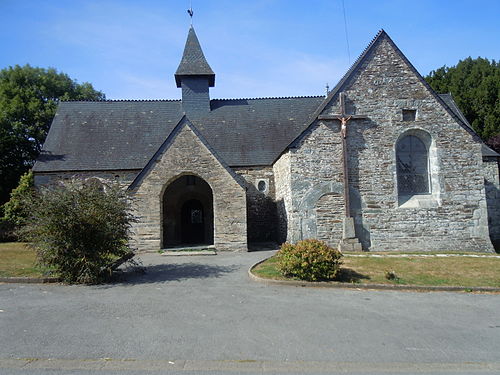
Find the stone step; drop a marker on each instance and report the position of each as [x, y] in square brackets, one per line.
[189, 250]
[176, 253]
[350, 244]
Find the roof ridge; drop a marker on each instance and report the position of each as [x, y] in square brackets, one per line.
[272, 97]
[357, 62]
[339, 84]
[119, 100]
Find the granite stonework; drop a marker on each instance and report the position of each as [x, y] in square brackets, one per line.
[454, 215]
[492, 186]
[122, 178]
[186, 154]
[261, 204]
[283, 195]
[315, 171]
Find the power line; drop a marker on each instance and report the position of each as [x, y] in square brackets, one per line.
[346, 36]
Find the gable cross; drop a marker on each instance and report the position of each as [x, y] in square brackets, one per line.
[344, 119]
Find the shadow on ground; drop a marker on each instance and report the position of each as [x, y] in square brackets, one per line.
[347, 275]
[171, 272]
[496, 245]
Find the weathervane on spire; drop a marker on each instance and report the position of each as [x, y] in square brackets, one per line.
[190, 11]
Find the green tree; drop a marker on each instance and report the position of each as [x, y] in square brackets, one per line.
[475, 87]
[16, 210]
[28, 101]
[78, 229]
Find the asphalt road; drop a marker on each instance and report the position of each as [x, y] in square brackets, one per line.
[203, 315]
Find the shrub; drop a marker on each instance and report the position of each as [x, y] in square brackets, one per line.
[79, 229]
[16, 210]
[309, 260]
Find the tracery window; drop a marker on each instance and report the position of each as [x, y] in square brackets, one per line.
[412, 158]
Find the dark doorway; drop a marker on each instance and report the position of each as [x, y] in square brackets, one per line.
[187, 213]
[193, 231]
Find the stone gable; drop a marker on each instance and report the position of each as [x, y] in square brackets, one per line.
[454, 214]
[187, 154]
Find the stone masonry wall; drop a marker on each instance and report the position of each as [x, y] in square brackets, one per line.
[454, 215]
[329, 217]
[122, 178]
[188, 155]
[283, 195]
[261, 207]
[316, 172]
[492, 185]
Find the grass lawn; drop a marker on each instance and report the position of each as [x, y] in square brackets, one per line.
[17, 260]
[450, 271]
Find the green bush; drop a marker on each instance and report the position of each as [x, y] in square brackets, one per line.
[77, 229]
[309, 260]
[16, 210]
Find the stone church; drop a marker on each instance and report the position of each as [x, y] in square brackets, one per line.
[382, 163]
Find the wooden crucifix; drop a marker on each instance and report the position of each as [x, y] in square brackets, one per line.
[344, 119]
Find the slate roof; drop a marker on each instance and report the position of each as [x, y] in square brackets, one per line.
[123, 135]
[448, 99]
[193, 62]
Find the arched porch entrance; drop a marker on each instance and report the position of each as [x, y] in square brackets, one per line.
[187, 213]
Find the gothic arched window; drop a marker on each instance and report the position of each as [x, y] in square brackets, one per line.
[412, 158]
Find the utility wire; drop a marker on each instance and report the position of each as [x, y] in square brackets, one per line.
[346, 37]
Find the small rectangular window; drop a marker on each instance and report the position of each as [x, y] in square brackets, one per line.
[409, 114]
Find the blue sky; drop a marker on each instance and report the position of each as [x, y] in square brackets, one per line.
[130, 49]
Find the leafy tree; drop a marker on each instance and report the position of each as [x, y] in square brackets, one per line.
[78, 229]
[475, 86]
[28, 100]
[494, 143]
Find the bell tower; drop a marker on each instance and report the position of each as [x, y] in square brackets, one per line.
[195, 77]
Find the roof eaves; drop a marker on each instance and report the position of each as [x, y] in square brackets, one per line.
[488, 151]
[353, 69]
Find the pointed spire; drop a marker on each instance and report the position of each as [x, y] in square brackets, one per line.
[193, 61]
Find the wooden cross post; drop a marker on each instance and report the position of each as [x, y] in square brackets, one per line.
[344, 119]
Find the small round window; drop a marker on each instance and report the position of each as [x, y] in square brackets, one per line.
[262, 186]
